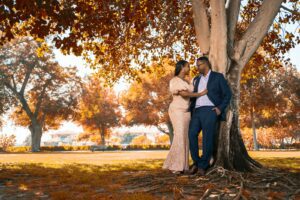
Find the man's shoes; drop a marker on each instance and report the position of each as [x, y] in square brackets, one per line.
[190, 167]
[201, 172]
[193, 170]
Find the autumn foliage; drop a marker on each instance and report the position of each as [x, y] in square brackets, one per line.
[7, 141]
[98, 110]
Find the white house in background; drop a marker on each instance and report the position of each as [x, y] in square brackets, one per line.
[60, 138]
[65, 135]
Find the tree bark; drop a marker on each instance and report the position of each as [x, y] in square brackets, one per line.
[254, 130]
[218, 36]
[232, 19]
[171, 131]
[231, 151]
[201, 24]
[102, 134]
[36, 135]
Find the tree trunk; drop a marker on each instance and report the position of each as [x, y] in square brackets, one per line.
[102, 134]
[231, 151]
[254, 130]
[171, 131]
[36, 135]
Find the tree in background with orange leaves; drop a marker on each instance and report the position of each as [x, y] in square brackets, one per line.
[147, 100]
[98, 110]
[42, 93]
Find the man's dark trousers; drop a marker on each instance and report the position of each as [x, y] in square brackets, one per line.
[205, 119]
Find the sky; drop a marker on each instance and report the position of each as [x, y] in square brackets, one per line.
[71, 60]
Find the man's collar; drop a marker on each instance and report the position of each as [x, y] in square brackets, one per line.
[207, 75]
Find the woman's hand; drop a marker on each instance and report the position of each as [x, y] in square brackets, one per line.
[186, 93]
[204, 92]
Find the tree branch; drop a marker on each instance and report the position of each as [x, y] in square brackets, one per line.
[28, 73]
[22, 100]
[233, 11]
[14, 82]
[201, 25]
[40, 98]
[252, 38]
[218, 38]
[162, 130]
[290, 10]
[11, 88]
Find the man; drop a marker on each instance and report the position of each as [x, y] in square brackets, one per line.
[206, 111]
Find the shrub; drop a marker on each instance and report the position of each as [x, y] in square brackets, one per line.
[20, 149]
[7, 141]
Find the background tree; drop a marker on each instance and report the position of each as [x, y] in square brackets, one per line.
[7, 141]
[98, 109]
[162, 139]
[119, 34]
[44, 93]
[284, 117]
[141, 140]
[5, 100]
[254, 87]
[147, 100]
[273, 99]
[91, 134]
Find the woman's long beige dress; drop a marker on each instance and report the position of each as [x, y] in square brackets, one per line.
[178, 157]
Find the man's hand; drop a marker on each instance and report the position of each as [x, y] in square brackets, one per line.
[217, 110]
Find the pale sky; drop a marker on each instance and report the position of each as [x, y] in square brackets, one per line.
[71, 60]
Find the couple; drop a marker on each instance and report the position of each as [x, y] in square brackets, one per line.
[195, 107]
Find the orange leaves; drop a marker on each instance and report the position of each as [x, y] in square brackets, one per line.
[6, 141]
[98, 109]
[147, 101]
[141, 140]
[131, 30]
[164, 139]
[276, 195]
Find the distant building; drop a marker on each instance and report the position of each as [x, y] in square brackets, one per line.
[64, 138]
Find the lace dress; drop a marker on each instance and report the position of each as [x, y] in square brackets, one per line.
[178, 156]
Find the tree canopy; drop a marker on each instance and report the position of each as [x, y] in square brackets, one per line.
[121, 37]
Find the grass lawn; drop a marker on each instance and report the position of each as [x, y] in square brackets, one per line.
[123, 175]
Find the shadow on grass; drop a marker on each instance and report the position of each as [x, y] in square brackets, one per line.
[71, 181]
[86, 181]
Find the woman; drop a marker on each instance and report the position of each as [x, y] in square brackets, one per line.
[178, 158]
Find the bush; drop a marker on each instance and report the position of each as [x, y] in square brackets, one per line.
[49, 148]
[7, 141]
[20, 149]
[147, 147]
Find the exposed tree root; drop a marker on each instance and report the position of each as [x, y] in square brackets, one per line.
[218, 183]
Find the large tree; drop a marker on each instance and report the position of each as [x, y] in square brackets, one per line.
[229, 54]
[42, 92]
[121, 37]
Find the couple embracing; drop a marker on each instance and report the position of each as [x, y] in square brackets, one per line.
[196, 106]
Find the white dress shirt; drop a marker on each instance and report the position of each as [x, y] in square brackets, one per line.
[203, 100]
